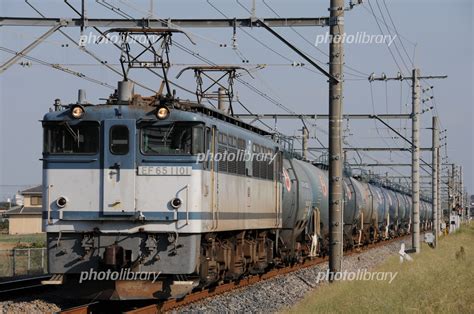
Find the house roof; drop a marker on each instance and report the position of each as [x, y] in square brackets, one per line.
[22, 210]
[36, 190]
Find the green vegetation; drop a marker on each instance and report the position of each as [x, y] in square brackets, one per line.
[437, 281]
[26, 263]
[25, 240]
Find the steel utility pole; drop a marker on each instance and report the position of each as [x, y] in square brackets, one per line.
[450, 192]
[435, 186]
[415, 159]
[336, 60]
[415, 150]
[453, 186]
[440, 206]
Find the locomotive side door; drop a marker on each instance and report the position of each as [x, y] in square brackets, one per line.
[213, 166]
[118, 180]
[248, 175]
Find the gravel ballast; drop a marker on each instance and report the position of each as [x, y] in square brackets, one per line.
[284, 291]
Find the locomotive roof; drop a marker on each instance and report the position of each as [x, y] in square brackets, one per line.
[141, 108]
[212, 112]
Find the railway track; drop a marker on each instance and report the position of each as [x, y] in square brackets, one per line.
[107, 307]
[15, 288]
[216, 290]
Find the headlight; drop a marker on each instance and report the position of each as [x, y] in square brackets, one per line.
[162, 113]
[77, 111]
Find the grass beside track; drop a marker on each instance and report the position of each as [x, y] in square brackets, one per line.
[437, 281]
[37, 258]
[26, 240]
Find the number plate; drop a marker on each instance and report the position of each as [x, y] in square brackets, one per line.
[164, 171]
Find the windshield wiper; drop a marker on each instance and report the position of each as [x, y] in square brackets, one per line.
[168, 133]
[71, 132]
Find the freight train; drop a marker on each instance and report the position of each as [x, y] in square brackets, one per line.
[126, 187]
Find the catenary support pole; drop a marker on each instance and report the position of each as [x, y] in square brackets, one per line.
[453, 186]
[440, 206]
[336, 61]
[434, 186]
[415, 161]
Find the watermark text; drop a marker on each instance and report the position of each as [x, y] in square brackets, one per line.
[122, 274]
[357, 38]
[360, 274]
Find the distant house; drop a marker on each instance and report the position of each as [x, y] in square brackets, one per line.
[26, 219]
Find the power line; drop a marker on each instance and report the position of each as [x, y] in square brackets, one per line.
[380, 28]
[170, 24]
[58, 67]
[375, 122]
[362, 74]
[250, 35]
[197, 55]
[118, 47]
[398, 34]
[101, 62]
[388, 30]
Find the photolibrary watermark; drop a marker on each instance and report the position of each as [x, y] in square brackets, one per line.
[360, 274]
[239, 155]
[357, 38]
[123, 274]
[112, 38]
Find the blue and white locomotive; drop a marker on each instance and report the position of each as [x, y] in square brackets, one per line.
[126, 187]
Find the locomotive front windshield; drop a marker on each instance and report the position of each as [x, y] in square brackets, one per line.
[64, 138]
[172, 139]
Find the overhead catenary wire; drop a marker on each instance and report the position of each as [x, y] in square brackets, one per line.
[251, 87]
[197, 55]
[250, 35]
[388, 30]
[250, 112]
[374, 112]
[380, 28]
[170, 24]
[100, 61]
[117, 10]
[414, 44]
[123, 14]
[398, 34]
[361, 74]
[117, 46]
[58, 67]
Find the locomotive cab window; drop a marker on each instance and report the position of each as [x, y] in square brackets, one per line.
[172, 139]
[66, 138]
[119, 140]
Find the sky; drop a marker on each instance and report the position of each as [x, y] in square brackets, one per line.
[434, 36]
